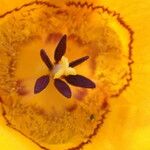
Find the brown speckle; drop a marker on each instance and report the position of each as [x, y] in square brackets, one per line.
[53, 37]
[72, 107]
[21, 90]
[104, 105]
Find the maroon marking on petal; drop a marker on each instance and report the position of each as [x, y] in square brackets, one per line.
[78, 61]
[80, 81]
[80, 94]
[60, 49]
[72, 107]
[63, 88]
[104, 105]
[41, 83]
[46, 59]
[1, 100]
[53, 37]
[22, 91]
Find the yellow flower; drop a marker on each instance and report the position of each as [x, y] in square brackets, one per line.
[114, 34]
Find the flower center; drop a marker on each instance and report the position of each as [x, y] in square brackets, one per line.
[63, 69]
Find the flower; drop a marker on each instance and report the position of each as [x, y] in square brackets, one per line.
[61, 69]
[127, 125]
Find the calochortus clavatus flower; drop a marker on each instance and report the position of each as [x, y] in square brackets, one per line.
[103, 30]
[62, 70]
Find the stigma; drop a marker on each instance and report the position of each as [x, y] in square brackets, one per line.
[63, 69]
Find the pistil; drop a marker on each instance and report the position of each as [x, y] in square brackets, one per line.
[62, 69]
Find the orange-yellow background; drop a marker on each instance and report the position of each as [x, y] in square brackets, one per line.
[128, 125]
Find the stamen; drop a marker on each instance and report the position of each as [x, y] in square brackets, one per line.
[46, 59]
[78, 61]
[62, 87]
[41, 83]
[60, 49]
[80, 81]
